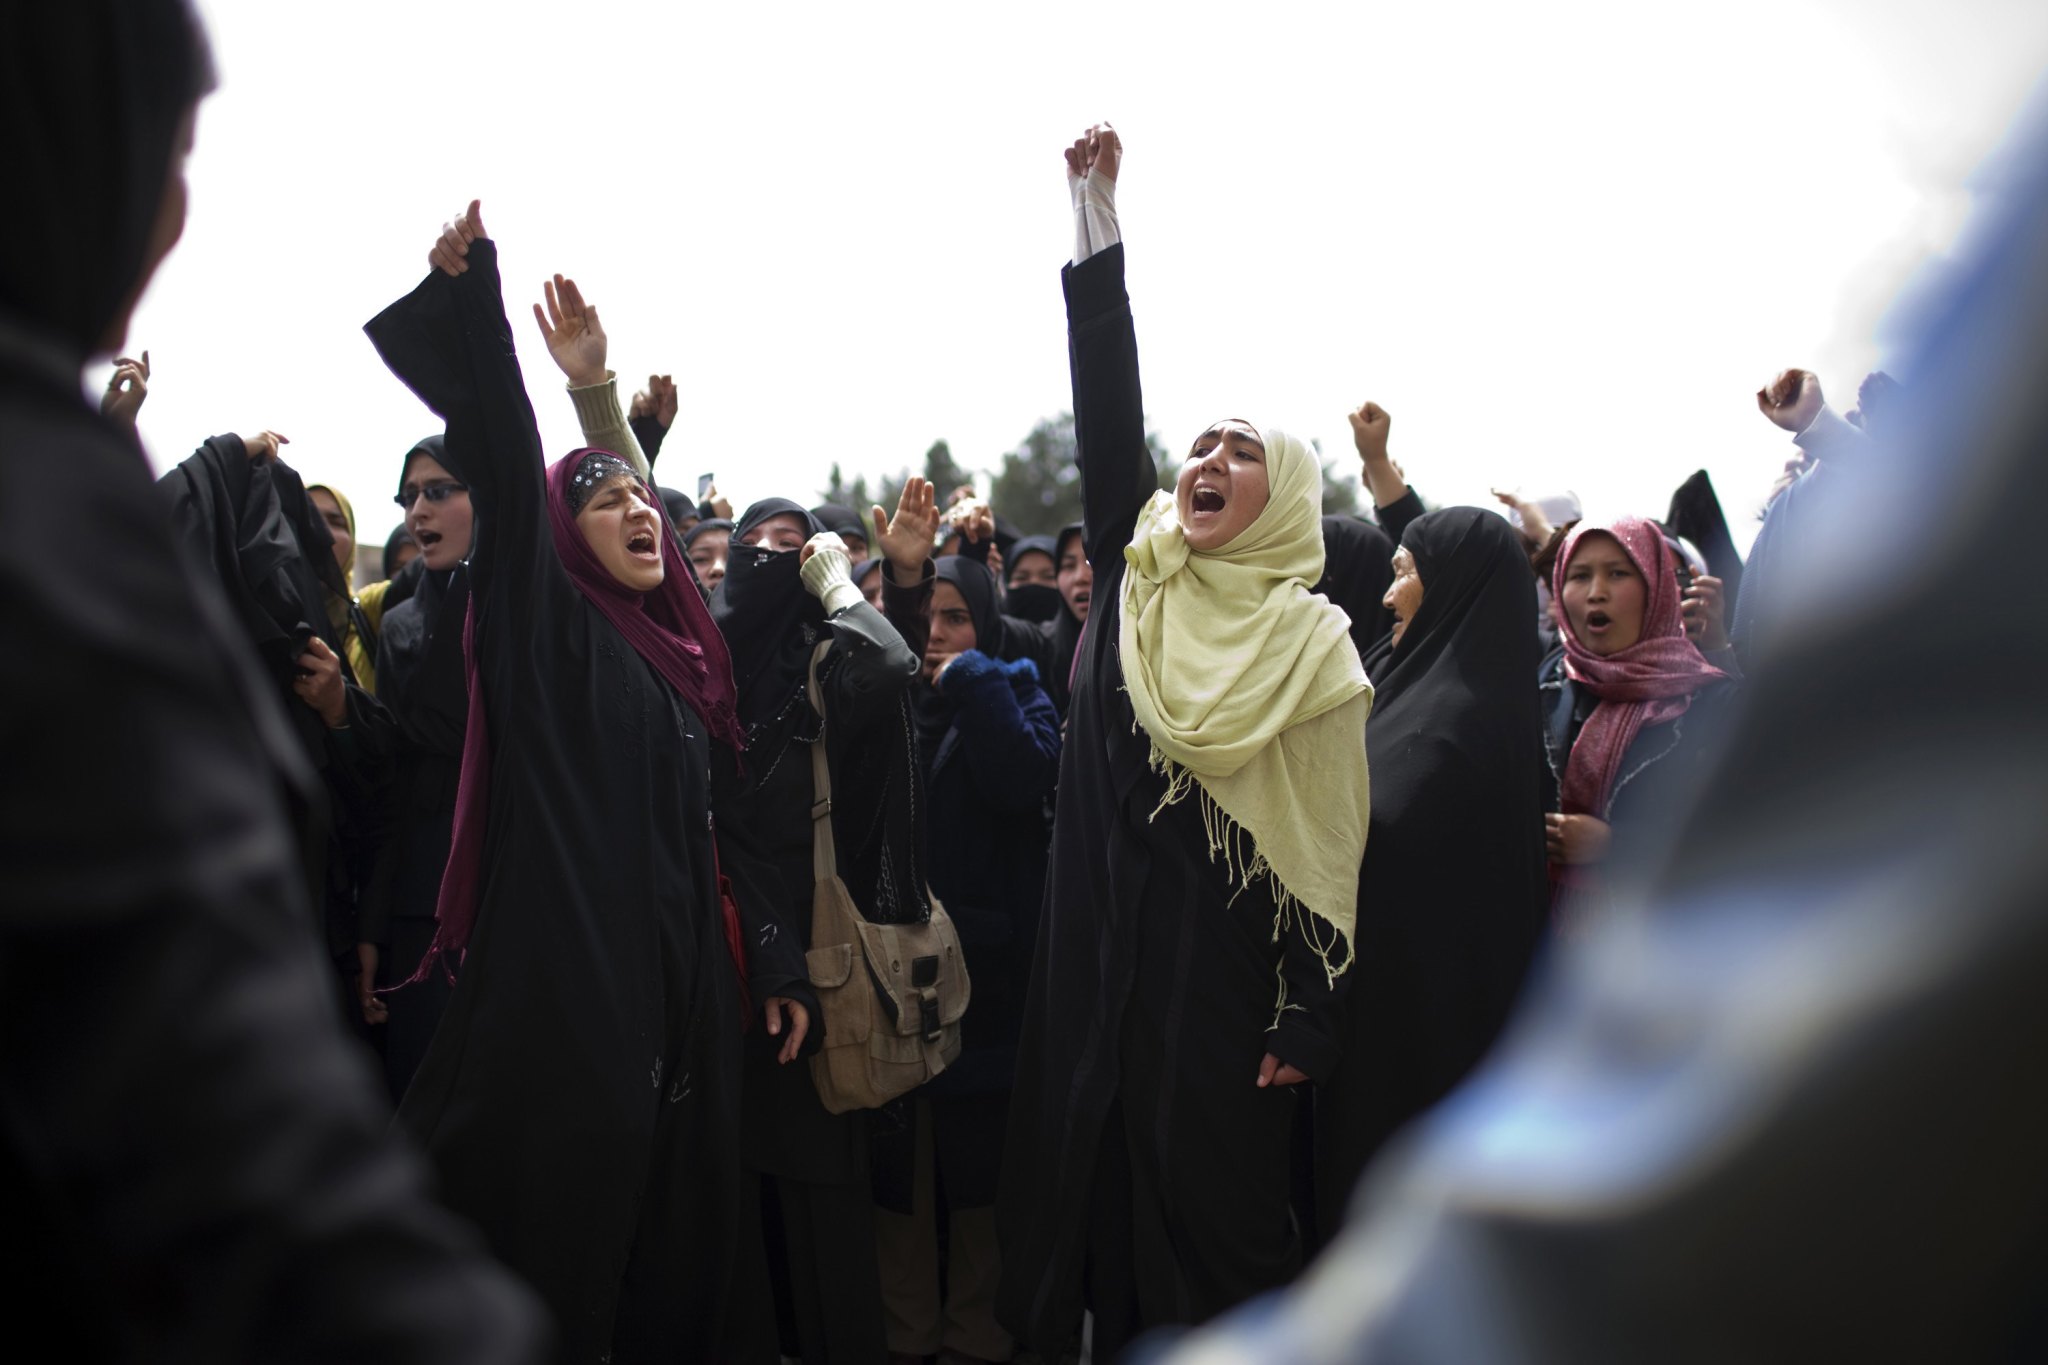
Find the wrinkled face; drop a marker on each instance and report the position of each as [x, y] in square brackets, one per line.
[1036, 568]
[708, 552]
[1604, 597]
[952, 624]
[1076, 577]
[1404, 595]
[871, 587]
[783, 531]
[1222, 486]
[337, 526]
[623, 529]
[441, 529]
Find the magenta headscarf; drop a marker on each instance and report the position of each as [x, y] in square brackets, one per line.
[669, 627]
[1649, 683]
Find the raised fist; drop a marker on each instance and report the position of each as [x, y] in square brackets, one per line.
[1369, 427]
[452, 245]
[1098, 149]
[1792, 400]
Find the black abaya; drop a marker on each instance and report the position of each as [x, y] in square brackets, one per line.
[1358, 568]
[581, 1098]
[1452, 895]
[1142, 1154]
[815, 1163]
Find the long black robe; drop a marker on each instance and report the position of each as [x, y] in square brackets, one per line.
[1140, 1143]
[581, 1098]
[820, 1220]
[252, 531]
[1452, 895]
[420, 676]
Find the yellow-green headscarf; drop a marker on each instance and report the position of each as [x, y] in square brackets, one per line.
[1250, 689]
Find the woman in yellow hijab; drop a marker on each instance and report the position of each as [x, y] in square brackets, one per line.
[1211, 822]
[362, 615]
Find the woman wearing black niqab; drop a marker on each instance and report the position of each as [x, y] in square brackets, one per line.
[195, 1162]
[1452, 895]
[814, 1165]
[581, 1097]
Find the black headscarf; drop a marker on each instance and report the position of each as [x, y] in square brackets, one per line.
[767, 617]
[421, 674]
[977, 588]
[680, 506]
[393, 543]
[101, 83]
[1453, 891]
[1696, 514]
[708, 524]
[1358, 568]
[1033, 601]
[832, 516]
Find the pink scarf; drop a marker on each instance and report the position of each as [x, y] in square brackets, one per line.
[1649, 683]
[670, 628]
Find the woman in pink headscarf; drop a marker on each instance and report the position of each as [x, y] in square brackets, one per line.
[1630, 702]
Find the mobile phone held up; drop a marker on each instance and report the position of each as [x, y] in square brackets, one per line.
[704, 482]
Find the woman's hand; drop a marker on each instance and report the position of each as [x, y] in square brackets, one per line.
[1535, 526]
[126, 390]
[575, 337]
[1792, 400]
[319, 684]
[264, 446]
[906, 539]
[1273, 1071]
[375, 1011]
[1576, 840]
[1706, 616]
[778, 1009]
[657, 400]
[1098, 149]
[973, 518]
[453, 243]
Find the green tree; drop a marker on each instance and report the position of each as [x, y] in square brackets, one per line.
[1038, 488]
[835, 489]
[944, 471]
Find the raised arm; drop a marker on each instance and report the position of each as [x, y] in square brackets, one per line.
[1392, 499]
[578, 346]
[1102, 354]
[451, 344]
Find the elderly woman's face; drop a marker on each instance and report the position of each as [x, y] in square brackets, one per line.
[1222, 486]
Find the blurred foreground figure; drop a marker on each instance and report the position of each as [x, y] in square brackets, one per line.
[194, 1164]
[1792, 1106]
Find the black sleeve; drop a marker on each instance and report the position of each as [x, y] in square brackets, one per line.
[650, 433]
[1117, 476]
[1305, 1036]
[874, 656]
[183, 1126]
[1395, 516]
[448, 340]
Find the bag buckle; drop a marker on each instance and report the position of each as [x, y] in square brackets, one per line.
[928, 1014]
[821, 809]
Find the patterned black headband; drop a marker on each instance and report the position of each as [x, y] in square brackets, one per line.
[593, 472]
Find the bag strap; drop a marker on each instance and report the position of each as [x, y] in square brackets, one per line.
[824, 855]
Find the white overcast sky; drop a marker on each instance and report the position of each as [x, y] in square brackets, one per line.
[1562, 243]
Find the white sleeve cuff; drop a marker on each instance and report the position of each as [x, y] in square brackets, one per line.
[1095, 225]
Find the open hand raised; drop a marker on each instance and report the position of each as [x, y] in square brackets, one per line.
[906, 539]
[575, 337]
[453, 244]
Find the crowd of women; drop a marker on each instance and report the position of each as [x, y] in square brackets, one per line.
[1246, 822]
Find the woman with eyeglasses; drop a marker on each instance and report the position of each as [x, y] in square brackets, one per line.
[420, 677]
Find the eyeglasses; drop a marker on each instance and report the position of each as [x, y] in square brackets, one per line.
[433, 492]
